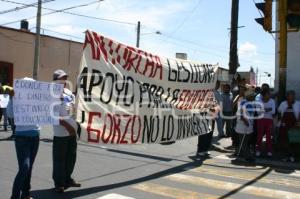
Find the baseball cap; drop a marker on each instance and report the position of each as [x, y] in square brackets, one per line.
[250, 90]
[59, 74]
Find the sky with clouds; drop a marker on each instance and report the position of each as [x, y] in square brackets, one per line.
[196, 27]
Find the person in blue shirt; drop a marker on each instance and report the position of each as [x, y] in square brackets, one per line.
[27, 145]
[218, 120]
[227, 109]
[244, 125]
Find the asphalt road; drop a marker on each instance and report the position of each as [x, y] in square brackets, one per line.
[151, 171]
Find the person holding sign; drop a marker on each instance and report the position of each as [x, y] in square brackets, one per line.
[27, 145]
[64, 141]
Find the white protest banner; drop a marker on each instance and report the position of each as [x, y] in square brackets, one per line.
[4, 99]
[34, 102]
[129, 96]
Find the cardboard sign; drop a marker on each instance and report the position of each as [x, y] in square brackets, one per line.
[34, 102]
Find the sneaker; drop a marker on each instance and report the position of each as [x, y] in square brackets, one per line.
[250, 159]
[257, 154]
[234, 155]
[59, 189]
[230, 147]
[73, 184]
[237, 161]
[26, 197]
[269, 154]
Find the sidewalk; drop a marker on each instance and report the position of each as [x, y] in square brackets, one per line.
[221, 145]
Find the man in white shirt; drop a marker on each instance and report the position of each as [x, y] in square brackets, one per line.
[64, 140]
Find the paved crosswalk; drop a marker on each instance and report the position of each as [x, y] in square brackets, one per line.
[216, 178]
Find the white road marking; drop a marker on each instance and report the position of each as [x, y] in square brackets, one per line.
[114, 196]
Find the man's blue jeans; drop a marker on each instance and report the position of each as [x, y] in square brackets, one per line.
[26, 148]
[219, 121]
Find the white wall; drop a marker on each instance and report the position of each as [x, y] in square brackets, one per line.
[293, 63]
[293, 60]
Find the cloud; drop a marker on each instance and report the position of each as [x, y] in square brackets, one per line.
[69, 29]
[153, 15]
[248, 50]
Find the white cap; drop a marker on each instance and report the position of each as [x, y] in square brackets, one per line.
[28, 79]
[249, 90]
[59, 74]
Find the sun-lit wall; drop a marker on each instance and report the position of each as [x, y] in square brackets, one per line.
[17, 47]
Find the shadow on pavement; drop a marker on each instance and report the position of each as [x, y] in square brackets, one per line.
[246, 184]
[284, 171]
[50, 194]
[140, 155]
[6, 139]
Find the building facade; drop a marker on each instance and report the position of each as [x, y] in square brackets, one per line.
[17, 55]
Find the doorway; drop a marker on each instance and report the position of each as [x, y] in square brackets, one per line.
[6, 73]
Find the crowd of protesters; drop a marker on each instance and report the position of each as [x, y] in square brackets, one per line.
[249, 114]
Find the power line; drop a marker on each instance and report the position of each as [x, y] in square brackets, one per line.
[55, 11]
[186, 18]
[205, 46]
[72, 13]
[180, 42]
[21, 7]
[98, 18]
[197, 50]
[72, 36]
[176, 41]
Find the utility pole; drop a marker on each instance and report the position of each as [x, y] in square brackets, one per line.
[37, 41]
[233, 56]
[256, 76]
[282, 48]
[138, 34]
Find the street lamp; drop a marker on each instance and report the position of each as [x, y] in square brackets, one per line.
[269, 75]
[156, 32]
